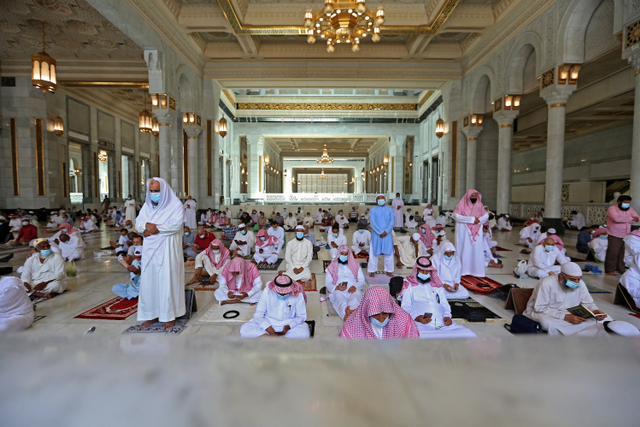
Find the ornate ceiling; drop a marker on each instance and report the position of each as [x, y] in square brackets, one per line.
[302, 146]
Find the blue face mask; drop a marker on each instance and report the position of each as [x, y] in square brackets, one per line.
[282, 297]
[155, 197]
[344, 258]
[603, 236]
[625, 205]
[448, 258]
[423, 231]
[571, 284]
[227, 226]
[424, 276]
[335, 234]
[484, 234]
[45, 253]
[243, 232]
[186, 233]
[379, 324]
[137, 248]
[263, 238]
[299, 234]
[361, 231]
[548, 248]
[593, 231]
[381, 202]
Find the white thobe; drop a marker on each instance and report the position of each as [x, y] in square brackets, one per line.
[549, 302]
[541, 262]
[343, 299]
[299, 254]
[421, 299]
[486, 250]
[55, 221]
[578, 221]
[358, 237]
[278, 233]
[406, 250]
[449, 274]
[397, 203]
[16, 309]
[73, 249]
[307, 221]
[470, 252]
[631, 248]
[411, 224]
[290, 223]
[319, 217]
[15, 225]
[631, 279]
[274, 312]
[253, 296]
[243, 250]
[162, 286]
[438, 246]
[203, 261]
[190, 214]
[268, 255]
[342, 220]
[427, 217]
[130, 215]
[88, 226]
[340, 240]
[299, 217]
[503, 224]
[52, 268]
[599, 247]
[529, 232]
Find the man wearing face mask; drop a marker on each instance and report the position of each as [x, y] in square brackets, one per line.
[308, 221]
[278, 232]
[552, 297]
[382, 219]
[130, 209]
[361, 240]
[342, 220]
[203, 239]
[290, 223]
[423, 297]
[27, 233]
[212, 261]
[229, 232]
[470, 215]
[397, 204]
[529, 236]
[239, 283]
[188, 240]
[344, 282]
[546, 260]
[298, 256]
[619, 219]
[448, 266]
[319, 216]
[584, 237]
[243, 241]
[598, 244]
[335, 239]
[43, 273]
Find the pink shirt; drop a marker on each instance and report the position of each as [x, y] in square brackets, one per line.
[619, 221]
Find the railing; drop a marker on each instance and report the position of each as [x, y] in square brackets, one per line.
[319, 198]
[594, 213]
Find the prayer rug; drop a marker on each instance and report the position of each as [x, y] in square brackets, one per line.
[271, 267]
[190, 265]
[37, 300]
[594, 290]
[329, 315]
[181, 322]
[115, 309]
[203, 285]
[361, 256]
[380, 278]
[479, 285]
[216, 312]
[310, 285]
[501, 249]
[36, 318]
[460, 309]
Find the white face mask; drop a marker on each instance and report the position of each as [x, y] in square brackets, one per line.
[216, 251]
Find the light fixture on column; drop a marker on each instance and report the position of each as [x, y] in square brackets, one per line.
[439, 127]
[568, 72]
[476, 119]
[145, 119]
[266, 160]
[58, 126]
[512, 102]
[222, 127]
[159, 101]
[386, 160]
[43, 69]
[285, 173]
[363, 173]
[155, 127]
[103, 156]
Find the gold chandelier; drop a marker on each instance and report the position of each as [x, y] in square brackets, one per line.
[43, 70]
[322, 175]
[145, 119]
[343, 21]
[325, 159]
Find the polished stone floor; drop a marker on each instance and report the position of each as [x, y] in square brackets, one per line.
[53, 375]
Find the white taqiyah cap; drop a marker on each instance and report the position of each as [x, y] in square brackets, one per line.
[622, 328]
[415, 237]
[381, 195]
[551, 230]
[300, 227]
[571, 269]
[241, 225]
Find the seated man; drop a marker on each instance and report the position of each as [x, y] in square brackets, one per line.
[122, 247]
[584, 237]
[212, 260]
[487, 244]
[449, 268]
[188, 241]
[278, 232]
[599, 243]
[319, 216]
[127, 259]
[335, 239]
[299, 216]
[440, 234]
[265, 248]
[310, 236]
[290, 223]
[298, 256]
[504, 223]
[326, 223]
[441, 220]
[239, 282]
[363, 221]
[631, 278]
[131, 290]
[229, 232]
[353, 214]
[16, 309]
[243, 241]
[203, 239]
[342, 220]
[529, 235]
[87, 225]
[427, 216]
[426, 240]
[361, 240]
[71, 248]
[43, 273]
[15, 224]
[278, 219]
[423, 297]
[407, 249]
[262, 221]
[27, 233]
[307, 221]
[378, 317]
[55, 220]
[281, 311]
[532, 220]
[552, 297]
[344, 282]
[544, 258]
[552, 233]
[577, 221]
[411, 222]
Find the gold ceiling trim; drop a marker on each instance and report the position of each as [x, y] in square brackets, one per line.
[229, 96]
[325, 106]
[262, 30]
[426, 97]
[142, 85]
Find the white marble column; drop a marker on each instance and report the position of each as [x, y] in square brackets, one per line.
[505, 142]
[472, 154]
[255, 150]
[164, 144]
[192, 134]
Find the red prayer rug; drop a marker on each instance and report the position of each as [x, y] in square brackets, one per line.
[310, 285]
[479, 285]
[360, 256]
[115, 309]
[501, 249]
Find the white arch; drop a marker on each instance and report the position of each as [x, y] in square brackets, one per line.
[517, 59]
[485, 78]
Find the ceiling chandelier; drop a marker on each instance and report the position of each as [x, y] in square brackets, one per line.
[325, 159]
[322, 175]
[43, 69]
[145, 119]
[343, 21]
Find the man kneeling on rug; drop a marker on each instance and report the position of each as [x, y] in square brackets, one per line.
[212, 261]
[239, 282]
[423, 297]
[555, 294]
[43, 273]
[344, 282]
[281, 311]
[131, 290]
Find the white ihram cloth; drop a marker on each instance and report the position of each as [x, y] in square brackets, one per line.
[427, 217]
[364, 237]
[243, 250]
[470, 252]
[397, 202]
[88, 226]
[549, 302]
[421, 299]
[253, 296]
[541, 262]
[190, 214]
[340, 240]
[35, 272]
[290, 223]
[299, 253]
[130, 210]
[503, 224]
[578, 221]
[599, 247]
[449, 271]
[530, 232]
[162, 277]
[274, 312]
[278, 233]
[343, 299]
[16, 309]
[631, 279]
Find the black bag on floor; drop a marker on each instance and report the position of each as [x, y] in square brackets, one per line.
[523, 325]
[395, 285]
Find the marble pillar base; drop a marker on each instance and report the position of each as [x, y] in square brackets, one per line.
[553, 223]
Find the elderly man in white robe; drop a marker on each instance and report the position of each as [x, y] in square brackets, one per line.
[278, 232]
[130, 209]
[427, 216]
[599, 243]
[342, 220]
[546, 259]
[397, 205]
[504, 223]
[554, 295]
[55, 220]
[243, 241]
[71, 248]
[161, 222]
[190, 207]
[212, 261]
[344, 282]
[529, 235]
[43, 273]
[361, 240]
[308, 221]
[16, 309]
[447, 263]
[290, 222]
[335, 239]
[298, 256]
[469, 215]
[239, 283]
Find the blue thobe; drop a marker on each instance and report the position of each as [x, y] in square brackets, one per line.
[382, 219]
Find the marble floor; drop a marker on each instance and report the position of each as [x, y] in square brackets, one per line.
[208, 375]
